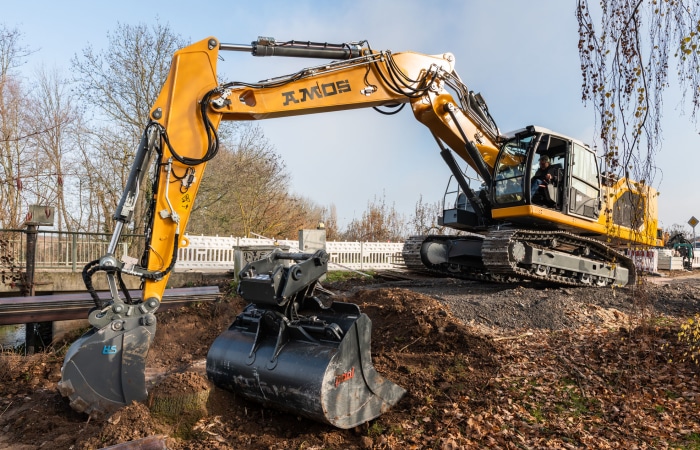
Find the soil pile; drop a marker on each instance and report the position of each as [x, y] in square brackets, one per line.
[485, 366]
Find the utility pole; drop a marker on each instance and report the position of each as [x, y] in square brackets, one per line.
[37, 215]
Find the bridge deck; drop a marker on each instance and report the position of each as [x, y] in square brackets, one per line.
[46, 308]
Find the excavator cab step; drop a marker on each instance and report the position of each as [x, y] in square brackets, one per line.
[288, 351]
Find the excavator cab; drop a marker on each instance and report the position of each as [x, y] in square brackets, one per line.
[516, 180]
[517, 183]
[575, 187]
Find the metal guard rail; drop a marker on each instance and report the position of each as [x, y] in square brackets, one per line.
[61, 250]
[43, 308]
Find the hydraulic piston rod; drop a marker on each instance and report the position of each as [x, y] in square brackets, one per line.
[266, 46]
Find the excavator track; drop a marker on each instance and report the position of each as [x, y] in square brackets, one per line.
[513, 255]
[505, 252]
[411, 254]
[414, 261]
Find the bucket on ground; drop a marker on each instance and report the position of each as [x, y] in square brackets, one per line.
[288, 351]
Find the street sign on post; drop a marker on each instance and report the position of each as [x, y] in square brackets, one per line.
[692, 222]
[40, 215]
[37, 215]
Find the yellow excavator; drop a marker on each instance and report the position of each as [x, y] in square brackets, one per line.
[289, 349]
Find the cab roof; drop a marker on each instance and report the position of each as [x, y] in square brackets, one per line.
[537, 129]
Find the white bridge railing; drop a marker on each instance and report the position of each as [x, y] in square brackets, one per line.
[215, 253]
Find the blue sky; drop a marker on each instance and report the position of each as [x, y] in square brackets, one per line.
[498, 45]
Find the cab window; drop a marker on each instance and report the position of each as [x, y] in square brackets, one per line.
[585, 187]
[510, 171]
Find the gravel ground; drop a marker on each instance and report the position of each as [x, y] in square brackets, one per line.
[503, 307]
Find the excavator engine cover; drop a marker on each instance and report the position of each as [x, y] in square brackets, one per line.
[297, 355]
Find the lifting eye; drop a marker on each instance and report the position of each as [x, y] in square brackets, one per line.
[248, 98]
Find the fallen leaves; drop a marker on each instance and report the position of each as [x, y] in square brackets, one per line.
[586, 388]
[603, 383]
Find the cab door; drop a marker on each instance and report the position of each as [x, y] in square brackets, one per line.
[584, 189]
[553, 194]
[509, 181]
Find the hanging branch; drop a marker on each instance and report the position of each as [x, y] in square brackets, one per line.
[625, 68]
[34, 133]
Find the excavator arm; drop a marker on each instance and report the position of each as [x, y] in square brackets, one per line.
[105, 369]
[192, 104]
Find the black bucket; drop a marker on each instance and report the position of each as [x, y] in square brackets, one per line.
[318, 367]
[106, 369]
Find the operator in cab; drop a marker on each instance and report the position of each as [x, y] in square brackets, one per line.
[545, 174]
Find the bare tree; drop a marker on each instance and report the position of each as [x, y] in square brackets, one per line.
[12, 52]
[14, 159]
[299, 213]
[31, 138]
[123, 81]
[626, 48]
[329, 217]
[676, 229]
[378, 223]
[246, 190]
[55, 113]
[120, 84]
[425, 218]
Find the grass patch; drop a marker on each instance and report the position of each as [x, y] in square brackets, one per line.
[345, 275]
[691, 442]
[376, 429]
[537, 414]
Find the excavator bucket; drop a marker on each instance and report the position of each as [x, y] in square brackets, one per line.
[325, 380]
[105, 368]
[296, 355]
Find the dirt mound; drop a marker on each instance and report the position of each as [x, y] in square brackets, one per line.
[405, 321]
[128, 424]
[484, 366]
[183, 335]
[179, 384]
